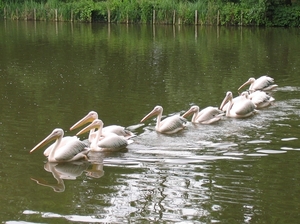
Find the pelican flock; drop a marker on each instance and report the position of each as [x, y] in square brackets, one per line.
[115, 137]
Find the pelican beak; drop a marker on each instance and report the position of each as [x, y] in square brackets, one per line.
[49, 138]
[88, 118]
[246, 83]
[151, 114]
[221, 114]
[190, 111]
[95, 124]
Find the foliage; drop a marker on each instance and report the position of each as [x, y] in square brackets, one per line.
[100, 11]
[286, 16]
[83, 10]
[146, 9]
[209, 12]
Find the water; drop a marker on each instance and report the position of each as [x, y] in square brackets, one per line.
[235, 171]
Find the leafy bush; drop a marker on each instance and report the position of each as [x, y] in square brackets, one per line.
[83, 10]
[286, 16]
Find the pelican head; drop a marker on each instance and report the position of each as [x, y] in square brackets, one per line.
[250, 81]
[156, 111]
[245, 94]
[97, 123]
[227, 98]
[192, 110]
[56, 134]
[91, 116]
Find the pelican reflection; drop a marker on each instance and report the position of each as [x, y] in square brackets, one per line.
[61, 172]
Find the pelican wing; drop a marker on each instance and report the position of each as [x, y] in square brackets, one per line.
[262, 83]
[243, 107]
[73, 150]
[117, 129]
[112, 142]
[64, 141]
[261, 99]
[234, 100]
[258, 97]
[172, 124]
[209, 115]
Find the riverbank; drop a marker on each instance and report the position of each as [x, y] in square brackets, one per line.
[156, 12]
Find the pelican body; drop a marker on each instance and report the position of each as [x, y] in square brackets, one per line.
[169, 125]
[264, 83]
[71, 150]
[208, 115]
[110, 142]
[234, 100]
[260, 98]
[91, 116]
[240, 109]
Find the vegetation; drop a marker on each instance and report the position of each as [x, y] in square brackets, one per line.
[203, 12]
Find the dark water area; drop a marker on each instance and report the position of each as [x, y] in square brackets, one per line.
[234, 171]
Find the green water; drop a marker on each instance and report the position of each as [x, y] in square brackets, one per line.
[236, 171]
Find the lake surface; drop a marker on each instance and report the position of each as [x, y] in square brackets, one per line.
[235, 171]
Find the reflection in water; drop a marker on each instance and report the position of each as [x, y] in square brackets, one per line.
[61, 172]
[96, 159]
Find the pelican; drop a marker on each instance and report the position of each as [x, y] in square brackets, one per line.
[111, 142]
[73, 149]
[63, 142]
[169, 125]
[234, 100]
[260, 98]
[207, 115]
[264, 83]
[239, 109]
[91, 116]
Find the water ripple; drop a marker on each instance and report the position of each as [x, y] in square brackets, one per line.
[289, 139]
[271, 151]
[259, 141]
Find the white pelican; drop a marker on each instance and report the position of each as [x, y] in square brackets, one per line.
[207, 115]
[239, 109]
[92, 115]
[169, 125]
[72, 149]
[110, 142]
[63, 142]
[262, 83]
[234, 100]
[260, 98]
